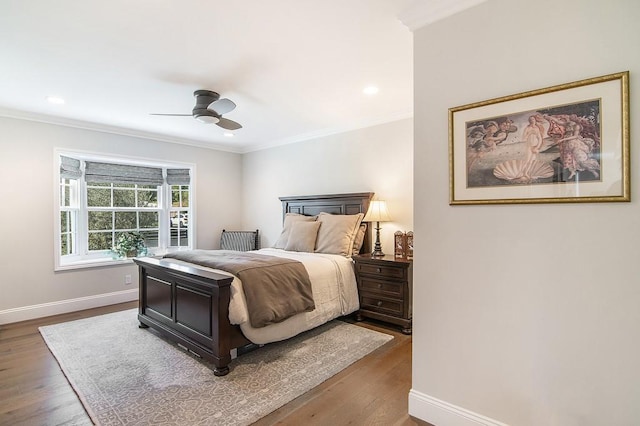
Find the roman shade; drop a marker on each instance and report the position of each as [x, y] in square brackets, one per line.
[122, 173]
[69, 168]
[178, 177]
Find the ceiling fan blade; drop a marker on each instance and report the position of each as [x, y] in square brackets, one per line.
[175, 115]
[228, 124]
[222, 106]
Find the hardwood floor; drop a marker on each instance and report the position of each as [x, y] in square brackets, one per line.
[373, 391]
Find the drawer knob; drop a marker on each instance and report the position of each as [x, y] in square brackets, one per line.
[379, 285]
[379, 302]
[378, 270]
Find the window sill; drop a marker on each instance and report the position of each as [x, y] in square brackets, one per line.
[101, 262]
[92, 263]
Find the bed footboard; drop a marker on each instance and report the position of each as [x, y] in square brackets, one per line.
[190, 306]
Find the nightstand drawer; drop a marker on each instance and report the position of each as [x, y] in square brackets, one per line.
[381, 270]
[373, 302]
[392, 289]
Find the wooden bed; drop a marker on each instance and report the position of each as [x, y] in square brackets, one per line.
[189, 304]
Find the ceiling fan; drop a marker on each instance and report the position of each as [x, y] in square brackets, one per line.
[209, 109]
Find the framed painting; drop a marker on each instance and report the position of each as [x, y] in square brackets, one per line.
[562, 144]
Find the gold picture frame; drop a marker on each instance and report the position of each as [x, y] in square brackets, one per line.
[561, 144]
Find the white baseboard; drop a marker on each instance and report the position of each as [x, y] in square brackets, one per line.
[64, 306]
[441, 413]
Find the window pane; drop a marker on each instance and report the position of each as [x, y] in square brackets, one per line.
[184, 219]
[148, 198]
[66, 244]
[100, 220]
[150, 238]
[185, 197]
[173, 219]
[99, 197]
[124, 198]
[126, 220]
[179, 219]
[175, 196]
[63, 244]
[100, 241]
[64, 221]
[148, 219]
[179, 237]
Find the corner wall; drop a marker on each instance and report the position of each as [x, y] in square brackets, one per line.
[29, 287]
[523, 314]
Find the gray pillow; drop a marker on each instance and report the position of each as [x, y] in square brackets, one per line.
[337, 233]
[303, 236]
[289, 220]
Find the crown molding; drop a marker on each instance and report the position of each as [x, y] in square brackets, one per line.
[425, 12]
[330, 131]
[85, 125]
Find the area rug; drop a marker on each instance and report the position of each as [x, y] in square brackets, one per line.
[108, 363]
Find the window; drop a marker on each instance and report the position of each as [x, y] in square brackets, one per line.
[115, 208]
[100, 198]
[179, 215]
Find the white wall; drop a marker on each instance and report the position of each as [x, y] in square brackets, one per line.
[28, 285]
[523, 314]
[376, 159]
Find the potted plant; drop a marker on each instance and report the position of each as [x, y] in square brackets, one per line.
[129, 244]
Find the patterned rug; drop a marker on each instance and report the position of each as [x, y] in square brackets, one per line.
[106, 360]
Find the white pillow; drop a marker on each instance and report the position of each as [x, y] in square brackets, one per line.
[289, 220]
[303, 236]
[337, 233]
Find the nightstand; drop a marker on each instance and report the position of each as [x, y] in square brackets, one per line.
[385, 288]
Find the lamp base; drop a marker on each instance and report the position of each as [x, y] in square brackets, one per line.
[377, 248]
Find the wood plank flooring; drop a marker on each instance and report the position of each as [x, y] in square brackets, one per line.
[373, 391]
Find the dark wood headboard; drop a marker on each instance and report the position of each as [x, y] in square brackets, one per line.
[311, 205]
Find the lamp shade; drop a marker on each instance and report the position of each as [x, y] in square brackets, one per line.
[377, 212]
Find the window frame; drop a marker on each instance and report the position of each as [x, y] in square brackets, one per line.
[83, 258]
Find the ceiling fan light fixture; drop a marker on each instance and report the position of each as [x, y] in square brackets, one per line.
[207, 119]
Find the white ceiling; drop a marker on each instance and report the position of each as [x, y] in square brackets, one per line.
[295, 68]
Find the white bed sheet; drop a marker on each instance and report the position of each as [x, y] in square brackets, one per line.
[335, 293]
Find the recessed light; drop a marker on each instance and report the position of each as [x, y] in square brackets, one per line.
[229, 134]
[370, 90]
[55, 100]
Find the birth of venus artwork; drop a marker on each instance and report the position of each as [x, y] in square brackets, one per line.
[556, 144]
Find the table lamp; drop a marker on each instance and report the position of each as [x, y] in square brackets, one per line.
[377, 213]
